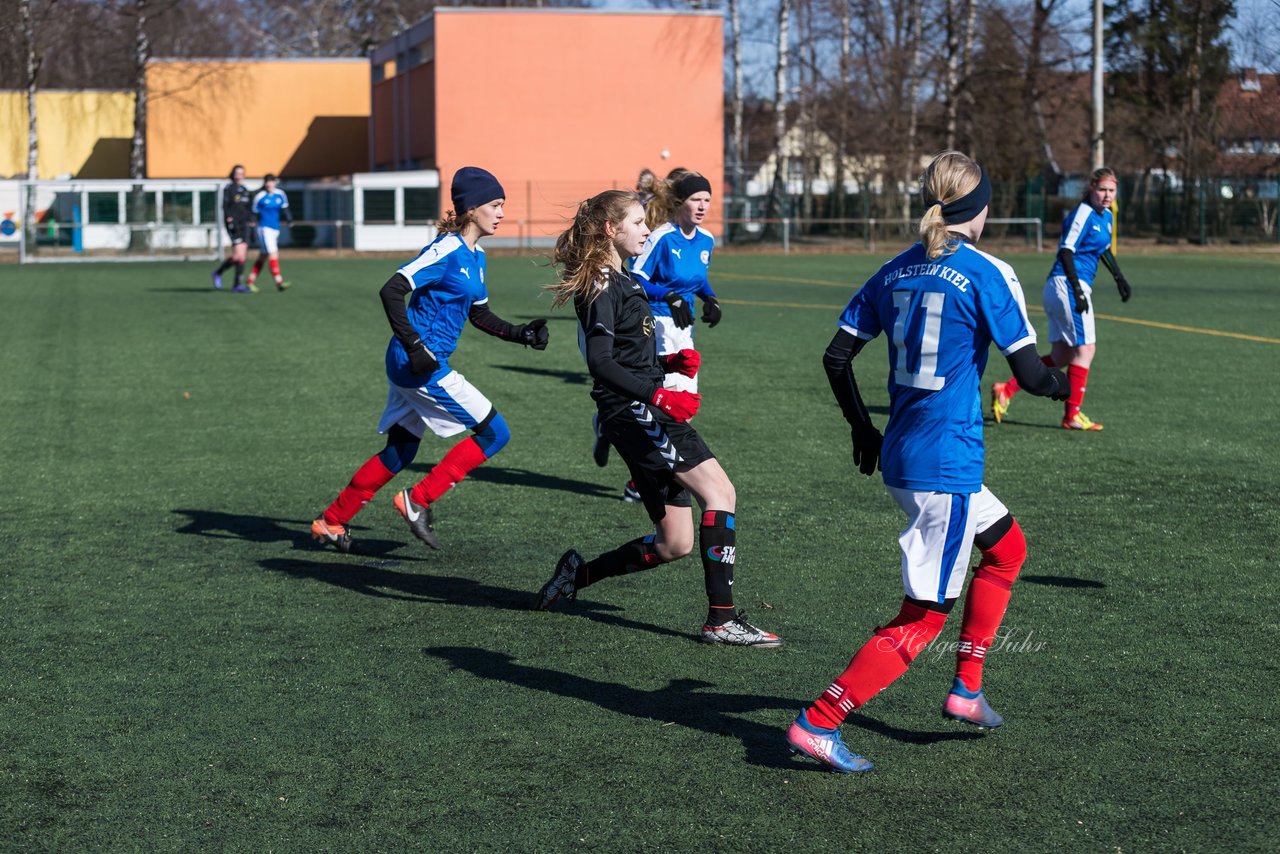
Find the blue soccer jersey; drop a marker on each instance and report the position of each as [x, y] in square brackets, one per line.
[1086, 233]
[940, 316]
[447, 279]
[267, 208]
[672, 261]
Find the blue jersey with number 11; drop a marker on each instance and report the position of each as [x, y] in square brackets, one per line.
[940, 315]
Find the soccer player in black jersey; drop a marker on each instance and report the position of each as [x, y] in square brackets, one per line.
[236, 216]
[645, 422]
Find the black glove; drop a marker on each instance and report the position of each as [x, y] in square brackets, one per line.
[710, 311]
[533, 334]
[1082, 302]
[1064, 385]
[681, 314]
[421, 360]
[1125, 291]
[866, 449]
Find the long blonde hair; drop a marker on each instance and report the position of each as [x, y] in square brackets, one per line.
[665, 202]
[585, 248]
[948, 176]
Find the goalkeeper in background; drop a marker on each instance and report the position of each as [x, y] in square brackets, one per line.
[645, 421]
[446, 290]
[236, 217]
[1068, 299]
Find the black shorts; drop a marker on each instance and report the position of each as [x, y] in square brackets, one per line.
[239, 232]
[653, 446]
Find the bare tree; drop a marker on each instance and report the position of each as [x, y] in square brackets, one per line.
[735, 152]
[778, 195]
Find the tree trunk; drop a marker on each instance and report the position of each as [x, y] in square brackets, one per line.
[33, 139]
[959, 48]
[138, 238]
[915, 26]
[842, 126]
[778, 195]
[735, 153]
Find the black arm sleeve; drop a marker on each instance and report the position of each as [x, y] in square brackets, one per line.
[1032, 374]
[1068, 259]
[601, 365]
[1112, 264]
[227, 192]
[486, 321]
[838, 363]
[392, 296]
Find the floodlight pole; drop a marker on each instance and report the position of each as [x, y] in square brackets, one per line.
[1096, 146]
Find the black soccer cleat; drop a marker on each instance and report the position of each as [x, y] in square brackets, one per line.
[419, 518]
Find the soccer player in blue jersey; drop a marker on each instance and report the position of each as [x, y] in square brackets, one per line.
[270, 206]
[237, 202]
[940, 305]
[1086, 240]
[672, 268]
[446, 290]
[646, 421]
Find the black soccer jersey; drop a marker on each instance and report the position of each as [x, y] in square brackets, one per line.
[237, 204]
[621, 312]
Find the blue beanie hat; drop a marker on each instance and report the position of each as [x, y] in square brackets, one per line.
[472, 187]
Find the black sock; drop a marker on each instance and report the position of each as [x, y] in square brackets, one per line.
[717, 546]
[239, 271]
[226, 265]
[631, 557]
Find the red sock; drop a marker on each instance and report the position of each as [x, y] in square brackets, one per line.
[367, 480]
[1011, 386]
[462, 458]
[275, 268]
[985, 604]
[1079, 377]
[257, 268]
[880, 661]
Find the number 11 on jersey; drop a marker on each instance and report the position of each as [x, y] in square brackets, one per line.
[924, 351]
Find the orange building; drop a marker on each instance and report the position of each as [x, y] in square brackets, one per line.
[558, 103]
[299, 118]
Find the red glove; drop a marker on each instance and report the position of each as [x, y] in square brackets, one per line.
[681, 362]
[680, 405]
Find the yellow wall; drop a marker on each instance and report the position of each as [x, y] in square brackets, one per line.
[82, 134]
[297, 118]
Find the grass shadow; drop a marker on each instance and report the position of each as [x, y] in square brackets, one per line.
[570, 377]
[264, 529]
[683, 702]
[381, 580]
[909, 736]
[540, 480]
[1061, 581]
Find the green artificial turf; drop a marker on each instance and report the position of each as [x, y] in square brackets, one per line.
[184, 670]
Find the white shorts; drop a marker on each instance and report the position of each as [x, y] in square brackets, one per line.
[673, 339]
[446, 407]
[1065, 323]
[938, 539]
[268, 239]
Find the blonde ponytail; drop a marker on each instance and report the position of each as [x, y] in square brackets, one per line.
[948, 177]
[585, 249]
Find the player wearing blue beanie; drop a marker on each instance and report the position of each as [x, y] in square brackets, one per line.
[445, 287]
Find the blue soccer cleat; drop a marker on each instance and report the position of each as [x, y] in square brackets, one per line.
[826, 746]
[969, 707]
[217, 280]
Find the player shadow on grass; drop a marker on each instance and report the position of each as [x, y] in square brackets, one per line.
[264, 529]
[540, 480]
[1061, 581]
[570, 377]
[387, 583]
[683, 702]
